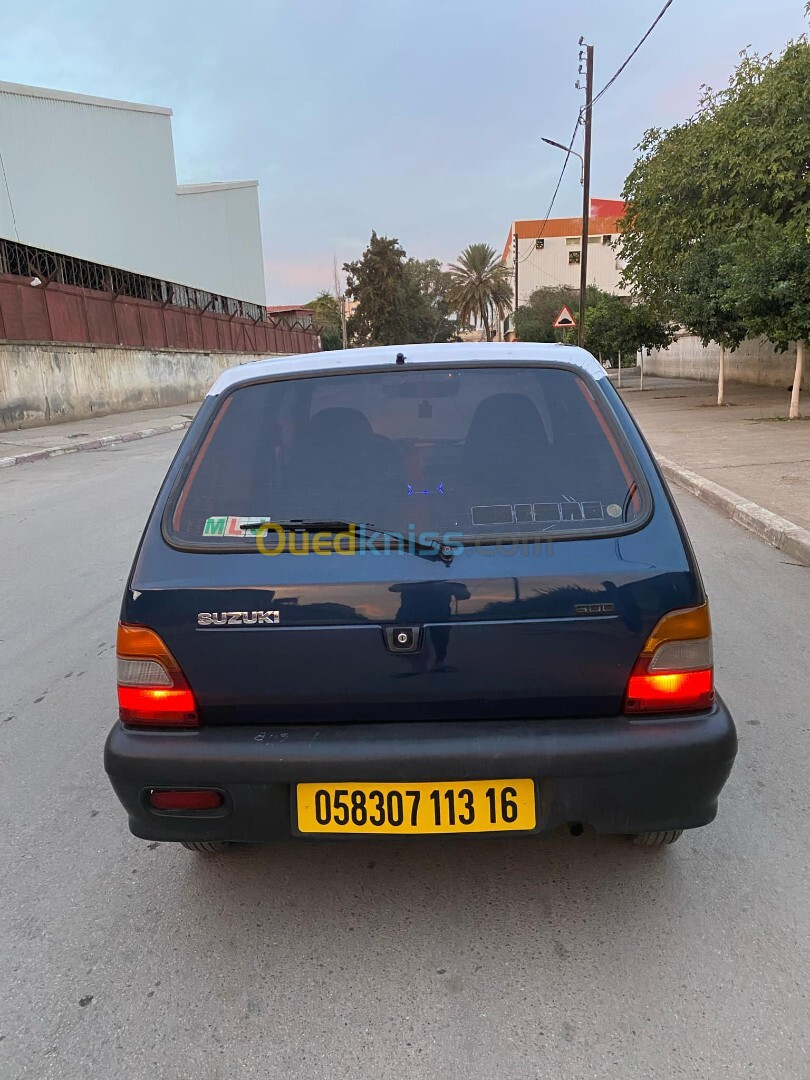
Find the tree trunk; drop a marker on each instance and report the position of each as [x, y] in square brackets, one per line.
[797, 381]
[721, 377]
[641, 381]
[486, 325]
[620, 369]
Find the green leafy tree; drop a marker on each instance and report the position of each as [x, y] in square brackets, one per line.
[481, 290]
[617, 329]
[707, 306]
[534, 320]
[765, 115]
[401, 299]
[718, 211]
[769, 280]
[326, 315]
[429, 313]
[379, 283]
[671, 240]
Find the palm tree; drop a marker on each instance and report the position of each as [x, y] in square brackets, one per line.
[480, 288]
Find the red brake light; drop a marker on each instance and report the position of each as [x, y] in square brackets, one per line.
[661, 693]
[185, 800]
[152, 690]
[147, 705]
[674, 671]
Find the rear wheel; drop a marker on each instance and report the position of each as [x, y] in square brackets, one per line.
[208, 847]
[657, 839]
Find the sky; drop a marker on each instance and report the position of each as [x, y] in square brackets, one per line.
[420, 119]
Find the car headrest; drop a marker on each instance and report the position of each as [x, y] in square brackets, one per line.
[339, 426]
[505, 421]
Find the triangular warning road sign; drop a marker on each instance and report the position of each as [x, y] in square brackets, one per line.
[564, 320]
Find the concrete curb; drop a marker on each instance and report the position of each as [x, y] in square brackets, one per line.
[92, 444]
[774, 530]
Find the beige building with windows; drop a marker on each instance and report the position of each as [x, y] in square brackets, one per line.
[549, 253]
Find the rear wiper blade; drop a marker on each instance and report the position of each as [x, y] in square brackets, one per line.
[415, 544]
[306, 525]
[412, 544]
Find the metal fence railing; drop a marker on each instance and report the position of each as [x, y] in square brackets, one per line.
[45, 296]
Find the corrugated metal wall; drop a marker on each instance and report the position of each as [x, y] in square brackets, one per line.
[69, 314]
[96, 179]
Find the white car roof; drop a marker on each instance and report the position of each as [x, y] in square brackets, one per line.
[495, 352]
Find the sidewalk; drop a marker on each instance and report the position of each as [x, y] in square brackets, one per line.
[747, 445]
[38, 443]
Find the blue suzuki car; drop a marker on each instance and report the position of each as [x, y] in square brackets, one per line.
[433, 589]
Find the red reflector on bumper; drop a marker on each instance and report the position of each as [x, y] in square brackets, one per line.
[157, 705]
[185, 800]
[667, 692]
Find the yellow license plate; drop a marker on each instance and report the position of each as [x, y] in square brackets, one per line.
[465, 806]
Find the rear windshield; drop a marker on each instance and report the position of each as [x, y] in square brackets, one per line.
[471, 451]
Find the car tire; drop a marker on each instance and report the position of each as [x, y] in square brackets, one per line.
[208, 847]
[657, 839]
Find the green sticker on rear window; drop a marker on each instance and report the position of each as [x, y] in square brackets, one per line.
[215, 526]
[230, 526]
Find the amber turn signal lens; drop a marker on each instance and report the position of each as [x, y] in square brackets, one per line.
[685, 624]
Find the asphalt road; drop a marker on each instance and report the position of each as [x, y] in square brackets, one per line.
[564, 958]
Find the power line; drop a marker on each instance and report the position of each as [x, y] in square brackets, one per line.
[615, 76]
[554, 196]
[546, 273]
[556, 191]
[582, 112]
[562, 172]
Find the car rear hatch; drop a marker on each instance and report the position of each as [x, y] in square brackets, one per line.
[566, 551]
[555, 640]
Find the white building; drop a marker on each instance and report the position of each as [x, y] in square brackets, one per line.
[95, 179]
[549, 253]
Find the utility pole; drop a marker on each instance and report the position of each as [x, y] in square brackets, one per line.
[586, 195]
[517, 298]
[341, 302]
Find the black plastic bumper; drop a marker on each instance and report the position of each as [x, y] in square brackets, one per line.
[616, 775]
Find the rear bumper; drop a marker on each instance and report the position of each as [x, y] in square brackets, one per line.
[615, 775]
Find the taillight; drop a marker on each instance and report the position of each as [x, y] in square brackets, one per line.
[675, 669]
[152, 690]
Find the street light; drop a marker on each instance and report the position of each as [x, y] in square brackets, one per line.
[566, 150]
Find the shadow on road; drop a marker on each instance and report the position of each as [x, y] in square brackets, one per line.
[419, 885]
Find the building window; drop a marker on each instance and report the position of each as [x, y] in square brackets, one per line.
[539, 243]
[595, 239]
[572, 240]
[607, 238]
[573, 258]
